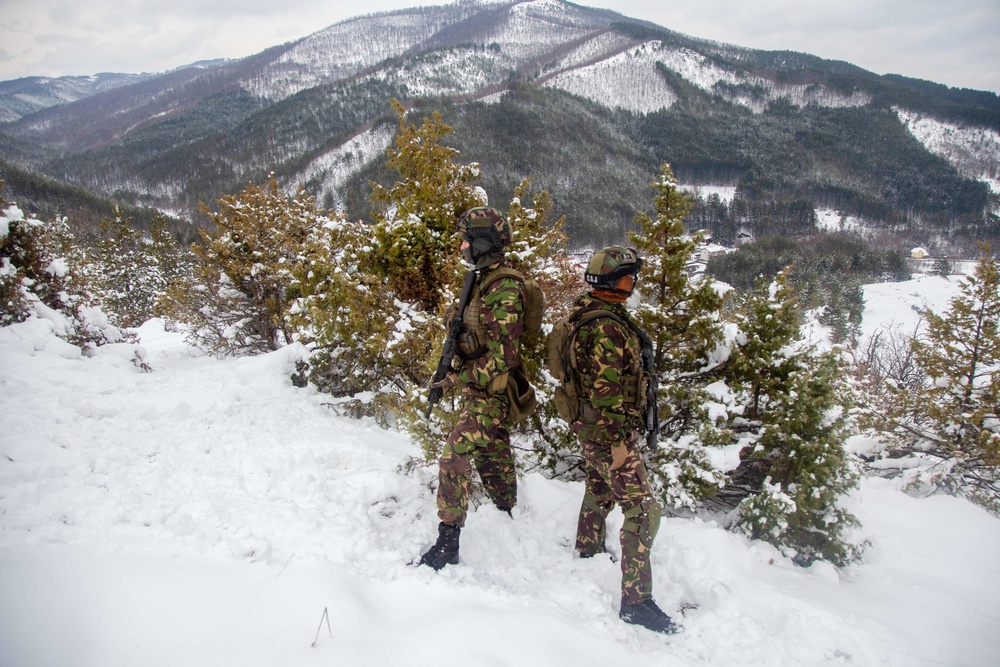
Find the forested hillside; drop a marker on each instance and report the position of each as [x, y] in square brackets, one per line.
[584, 101]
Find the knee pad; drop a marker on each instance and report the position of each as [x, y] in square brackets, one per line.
[644, 520]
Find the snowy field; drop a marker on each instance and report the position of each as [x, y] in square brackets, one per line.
[208, 512]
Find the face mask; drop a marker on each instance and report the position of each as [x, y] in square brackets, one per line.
[478, 247]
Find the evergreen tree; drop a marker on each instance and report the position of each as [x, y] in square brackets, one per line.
[843, 311]
[372, 296]
[173, 262]
[539, 251]
[239, 297]
[345, 314]
[794, 471]
[127, 280]
[942, 267]
[416, 263]
[415, 242]
[953, 420]
[682, 314]
[43, 272]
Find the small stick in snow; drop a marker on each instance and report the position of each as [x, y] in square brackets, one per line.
[325, 615]
[283, 569]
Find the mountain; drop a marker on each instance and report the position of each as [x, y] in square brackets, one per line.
[586, 101]
[22, 97]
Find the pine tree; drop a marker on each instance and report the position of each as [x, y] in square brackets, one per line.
[371, 297]
[415, 241]
[539, 251]
[942, 267]
[682, 313]
[239, 298]
[416, 258]
[953, 421]
[127, 280]
[843, 311]
[173, 262]
[794, 471]
[344, 312]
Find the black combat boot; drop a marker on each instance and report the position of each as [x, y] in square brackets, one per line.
[445, 550]
[648, 615]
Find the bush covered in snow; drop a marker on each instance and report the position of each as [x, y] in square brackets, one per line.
[42, 272]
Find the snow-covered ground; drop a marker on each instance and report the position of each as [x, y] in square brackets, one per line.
[897, 305]
[208, 512]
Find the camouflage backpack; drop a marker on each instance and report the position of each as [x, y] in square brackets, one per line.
[471, 344]
[561, 363]
[475, 332]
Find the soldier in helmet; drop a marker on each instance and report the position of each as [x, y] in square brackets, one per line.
[610, 380]
[489, 352]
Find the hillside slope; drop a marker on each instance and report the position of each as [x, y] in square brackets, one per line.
[208, 512]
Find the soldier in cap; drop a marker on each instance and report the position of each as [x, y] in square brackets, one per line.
[489, 352]
[607, 368]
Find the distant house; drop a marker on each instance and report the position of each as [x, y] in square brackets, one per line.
[918, 253]
[710, 250]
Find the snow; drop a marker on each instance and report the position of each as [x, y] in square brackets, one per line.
[627, 80]
[630, 80]
[208, 512]
[331, 169]
[702, 191]
[897, 305]
[829, 220]
[601, 45]
[346, 48]
[973, 151]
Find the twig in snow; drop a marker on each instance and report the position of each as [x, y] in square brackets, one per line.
[284, 566]
[325, 615]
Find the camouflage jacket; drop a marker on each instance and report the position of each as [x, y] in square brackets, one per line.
[606, 352]
[493, 323]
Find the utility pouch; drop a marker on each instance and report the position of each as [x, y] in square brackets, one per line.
[521, 395]
[567, 402]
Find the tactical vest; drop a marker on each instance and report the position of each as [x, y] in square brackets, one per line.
[472, 343]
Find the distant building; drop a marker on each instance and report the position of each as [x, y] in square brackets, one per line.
[710, 250]
[919, 253]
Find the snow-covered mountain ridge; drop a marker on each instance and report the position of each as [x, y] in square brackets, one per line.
[783, 127]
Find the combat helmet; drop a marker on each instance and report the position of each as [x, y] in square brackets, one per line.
[609, 266]
[487, 232]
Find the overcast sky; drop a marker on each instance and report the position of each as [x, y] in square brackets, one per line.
[955, 42]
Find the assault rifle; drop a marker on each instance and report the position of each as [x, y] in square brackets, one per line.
[652, 389]
[450, 343]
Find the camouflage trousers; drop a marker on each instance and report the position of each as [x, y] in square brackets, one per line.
[480, 435]
[628, 486]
